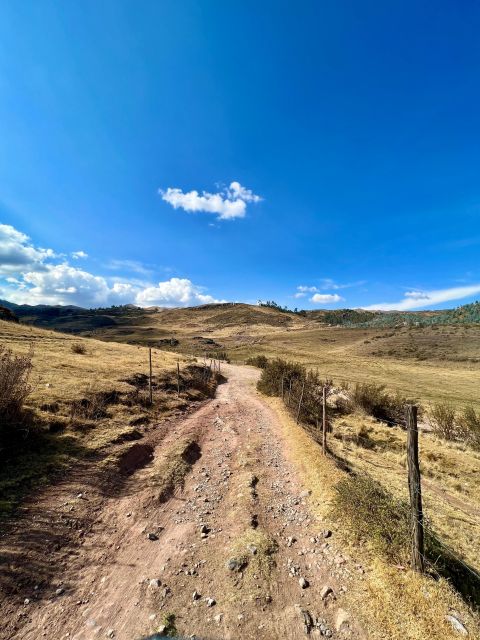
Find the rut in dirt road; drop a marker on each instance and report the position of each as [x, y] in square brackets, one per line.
[212, 538]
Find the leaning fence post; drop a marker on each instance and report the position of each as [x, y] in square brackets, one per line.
[300, 401]
[324, 420]
[415, 490]
[150, 376]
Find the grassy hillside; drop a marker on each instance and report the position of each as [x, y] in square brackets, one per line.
[87, 398]
[419, 356]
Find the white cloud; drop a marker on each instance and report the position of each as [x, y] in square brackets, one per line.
[29, 275]
[17, 252]
[77, 255]
[173, 292]
[325, 298]
[228, 204]
[417, 299]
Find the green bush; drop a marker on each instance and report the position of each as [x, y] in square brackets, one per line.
[270, 382]
[442, 419]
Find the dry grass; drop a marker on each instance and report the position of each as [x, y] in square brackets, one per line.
[73, 404]
[391, 603]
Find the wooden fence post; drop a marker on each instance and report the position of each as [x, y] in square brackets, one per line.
[290, 393]
[415, 490]
[324, 420]
[150, 376]
[282, 387]
[178, 378]
[300, 401]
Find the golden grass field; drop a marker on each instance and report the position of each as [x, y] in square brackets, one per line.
[61, 378]
[431, 364]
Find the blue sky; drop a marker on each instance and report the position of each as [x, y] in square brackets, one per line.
[321, 154]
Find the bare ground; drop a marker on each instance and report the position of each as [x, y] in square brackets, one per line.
[80, 564]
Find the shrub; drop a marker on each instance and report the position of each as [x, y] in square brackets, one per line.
[442, 419]
[469, 427]
[79, 347]
[258, 361]
[271, 379]
[375, 401]
[373, 513]
[14, 389]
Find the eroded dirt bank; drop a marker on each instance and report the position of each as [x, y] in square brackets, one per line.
[211, 534]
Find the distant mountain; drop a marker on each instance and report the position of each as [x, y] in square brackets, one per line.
[136, 324]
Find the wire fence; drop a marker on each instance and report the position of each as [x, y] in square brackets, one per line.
[307, 400]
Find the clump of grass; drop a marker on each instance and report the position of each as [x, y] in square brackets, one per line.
[442, 420]
[14, 390]
[78, 347]
[374, 514]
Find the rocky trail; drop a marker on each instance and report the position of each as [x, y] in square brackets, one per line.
[209, 535]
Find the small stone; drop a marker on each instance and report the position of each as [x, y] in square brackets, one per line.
[26, 601]
[457, 625]
[342, 620]
[305, 494]
[303, 583]
[326, 591]
[59, 591]
[211, 602]
[218, 618]
[291, 540]
[235, 564]
[327, 533]
[152, 616]
[152, 536]
[155, 583]
[252, 549]
[204, 529]
[110, 633]
[80, 495]
[162, 628]
[196, 595]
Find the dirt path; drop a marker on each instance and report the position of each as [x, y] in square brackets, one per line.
[234, 551]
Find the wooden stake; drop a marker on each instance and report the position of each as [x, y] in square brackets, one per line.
[415, 489]
[324, 420]
[300, 401]
[282, 387]
[178, 378]
[150, 376]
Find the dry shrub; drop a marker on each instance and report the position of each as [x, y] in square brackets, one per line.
[270, 382]
[469, 427]
[375, 401]
[258, 361]
[78, 347]
[442, 419]
[374, 514]
[14, 388]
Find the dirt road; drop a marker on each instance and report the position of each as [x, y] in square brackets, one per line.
[232, 552]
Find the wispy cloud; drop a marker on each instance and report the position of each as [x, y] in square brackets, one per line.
[418, 298]
[229, 203]
[326, 284]
[326, 298]
[77, 255]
